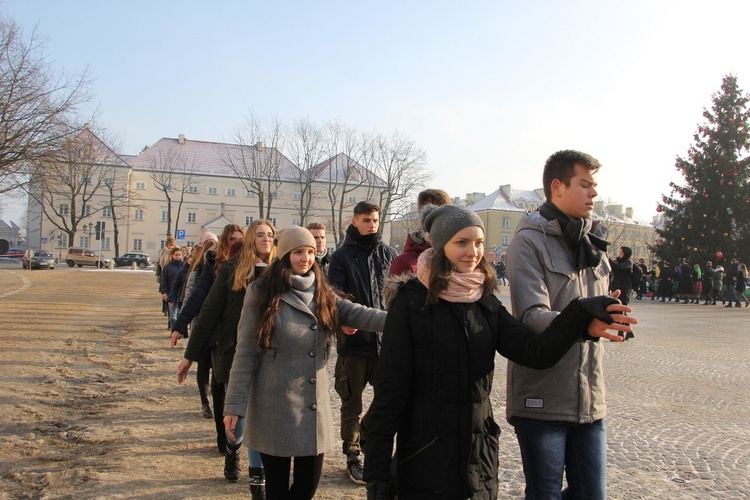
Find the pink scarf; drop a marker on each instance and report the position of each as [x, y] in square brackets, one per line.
[462, 287]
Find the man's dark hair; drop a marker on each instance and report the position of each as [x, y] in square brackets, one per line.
[562, 165]
[316, 225]
[365, 207]
[436, 197]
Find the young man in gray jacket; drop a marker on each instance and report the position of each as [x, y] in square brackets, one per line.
[558, 255]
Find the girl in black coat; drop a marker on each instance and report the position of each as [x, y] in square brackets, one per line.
[437, 364]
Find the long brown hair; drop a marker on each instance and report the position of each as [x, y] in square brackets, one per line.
[441, 270]
[222, 251]
[275, 281]
[245, 271]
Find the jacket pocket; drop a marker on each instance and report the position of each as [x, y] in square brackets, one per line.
[342, 388]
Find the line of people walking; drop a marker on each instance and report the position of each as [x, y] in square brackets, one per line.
[709, 285]
[269, 317]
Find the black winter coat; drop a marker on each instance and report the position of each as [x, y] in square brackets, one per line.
[435, 377]
[359, 268]
[191, 308]
[221, 308]
[178, 285]
[169, 275]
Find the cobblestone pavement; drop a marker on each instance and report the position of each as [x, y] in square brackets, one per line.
[678, 406]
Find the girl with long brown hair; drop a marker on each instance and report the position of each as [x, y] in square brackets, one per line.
[437, 364]
[221, 310]
[279, 380]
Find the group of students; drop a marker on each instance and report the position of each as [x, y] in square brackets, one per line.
[688, 284]
[269, 317]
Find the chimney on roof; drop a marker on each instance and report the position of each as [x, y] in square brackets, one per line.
[87, 126]
[181, 139]
[259, 146]
[599, 207]
[505, 189]
[629, 212]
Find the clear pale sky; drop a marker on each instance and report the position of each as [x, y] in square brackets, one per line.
[489, 89]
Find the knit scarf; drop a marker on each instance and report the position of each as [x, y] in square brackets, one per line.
[303, 286]
[462, 287]
[589, 248]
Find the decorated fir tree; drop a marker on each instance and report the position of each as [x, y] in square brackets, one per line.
[707, 214]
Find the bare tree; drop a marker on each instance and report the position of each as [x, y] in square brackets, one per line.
[172, 172]
[67, 182]
[342, 174]
[37, 104]
[306, 149]
[257, 161]
[119, 199]
[399, 166]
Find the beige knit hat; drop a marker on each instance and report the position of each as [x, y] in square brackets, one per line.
[292, 237]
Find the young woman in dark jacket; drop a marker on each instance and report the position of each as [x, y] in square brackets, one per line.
[168, 277]
[222, 309]
[437, 365]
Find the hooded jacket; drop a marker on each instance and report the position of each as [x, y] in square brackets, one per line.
[358, 268]
[622, 271]
[413, 248]
[543, 281]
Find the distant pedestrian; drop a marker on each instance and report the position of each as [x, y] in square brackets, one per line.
[168, 277]
[730, 283]
[322, 255]
[741, 285]
[501, 272]
[708, 280]
[717, 285]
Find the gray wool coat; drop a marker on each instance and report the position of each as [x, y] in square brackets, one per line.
[284, 391]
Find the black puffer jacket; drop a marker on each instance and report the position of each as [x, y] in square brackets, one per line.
[435, 377]
[359, 268]
[206, 275]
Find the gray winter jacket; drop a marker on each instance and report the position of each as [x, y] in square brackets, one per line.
[284, 391]
[543, 281]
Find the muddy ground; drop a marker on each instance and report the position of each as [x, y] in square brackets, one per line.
[90, 407]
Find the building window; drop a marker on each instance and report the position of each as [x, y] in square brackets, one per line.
[64, 209]
[191, 244]
[275, 195]
[273, 221]
[107, 211]
[297, 196]
[192, 189]
[506, 239]
[138, 244]
[83, 241]
[191, 217]
[249, 220]
[230, 192]
[351, 199]
[162, 244]
[168, 187]
[138, 214]
[249, 193]
[164, 216]
[213, 190]
[87, 211]
[296, 222]
[140, 185]
[62, 240]
[506, 222]
[106, 243]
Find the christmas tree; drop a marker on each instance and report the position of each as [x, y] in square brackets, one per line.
[707, 215]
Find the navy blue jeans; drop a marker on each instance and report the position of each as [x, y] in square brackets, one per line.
[549, 449]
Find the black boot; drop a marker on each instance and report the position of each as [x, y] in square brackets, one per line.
[257, 483]
[232, 463]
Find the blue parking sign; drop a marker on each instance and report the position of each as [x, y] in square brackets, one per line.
[180, 234]
[44, 240]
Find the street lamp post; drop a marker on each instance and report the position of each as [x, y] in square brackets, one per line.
[91, 229]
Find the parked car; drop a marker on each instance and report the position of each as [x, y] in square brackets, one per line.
[85, 257]
[40, 260]
[14, 253]
[141, 259]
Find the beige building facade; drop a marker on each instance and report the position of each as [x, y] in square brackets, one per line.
[210, 185]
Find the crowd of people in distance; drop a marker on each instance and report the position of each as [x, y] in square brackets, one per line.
[262, 310]
[692, 284]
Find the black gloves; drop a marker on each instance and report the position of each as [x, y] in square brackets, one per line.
[379, 490]
[577, 315]
[597, 307]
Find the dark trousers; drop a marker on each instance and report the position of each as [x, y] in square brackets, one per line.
[352, 374]
[307, 472]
